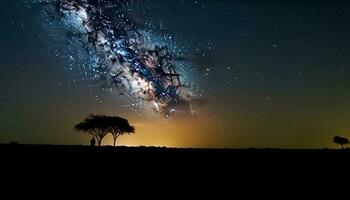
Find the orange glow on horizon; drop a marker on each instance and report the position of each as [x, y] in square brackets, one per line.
[159, 132]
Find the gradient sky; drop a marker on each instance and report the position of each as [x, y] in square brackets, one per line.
[273, 74]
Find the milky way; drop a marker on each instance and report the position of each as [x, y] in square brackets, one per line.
[125, 57]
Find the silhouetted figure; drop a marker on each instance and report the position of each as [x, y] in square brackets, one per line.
[95, 125]
[341, 141]
[100, 125]
[92, 142]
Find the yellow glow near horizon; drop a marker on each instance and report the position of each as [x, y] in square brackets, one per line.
[185, 132]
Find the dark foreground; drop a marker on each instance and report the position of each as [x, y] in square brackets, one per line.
[124, 156]
[172, 163]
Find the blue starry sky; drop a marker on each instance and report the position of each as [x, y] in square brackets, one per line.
[271, 74]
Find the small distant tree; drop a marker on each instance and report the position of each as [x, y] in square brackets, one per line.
[119, 126]
[341, 141]
[96, 125]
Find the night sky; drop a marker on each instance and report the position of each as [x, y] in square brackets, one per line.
[271, 74]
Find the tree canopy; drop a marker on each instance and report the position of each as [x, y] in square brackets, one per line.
[100, 125]
[119, 126]
[340, 140]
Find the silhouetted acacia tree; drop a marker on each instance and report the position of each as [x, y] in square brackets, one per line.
[96, 125]
[119, 126]
[341, 141]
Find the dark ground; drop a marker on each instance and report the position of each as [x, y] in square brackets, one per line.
[178, 170]
[250, 166]
[124, 156]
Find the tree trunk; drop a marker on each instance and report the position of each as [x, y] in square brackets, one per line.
[115, 136]
[342, 146]
[99, 141]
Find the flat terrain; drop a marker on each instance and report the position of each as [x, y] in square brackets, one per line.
[155, 155]
[172, 163]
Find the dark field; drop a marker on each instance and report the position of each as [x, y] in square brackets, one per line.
[153, 163]
[125, 156]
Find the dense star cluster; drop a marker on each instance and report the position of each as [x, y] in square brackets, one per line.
[125, 57]
[253, 73]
